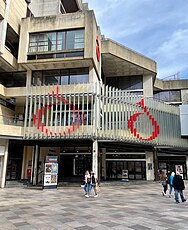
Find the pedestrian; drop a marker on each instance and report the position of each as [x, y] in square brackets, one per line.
[179, 186]
[171, 183]
[164, 183]
[86, 180]
[94, 183]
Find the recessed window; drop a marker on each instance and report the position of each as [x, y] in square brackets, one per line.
[126, 82]
[168, 96]
[60, 77]
[71, 42]
[16, 79]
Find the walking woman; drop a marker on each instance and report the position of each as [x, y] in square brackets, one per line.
[164, 183]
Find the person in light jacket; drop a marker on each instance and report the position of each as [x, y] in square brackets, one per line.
[171, 183]
[179, 186]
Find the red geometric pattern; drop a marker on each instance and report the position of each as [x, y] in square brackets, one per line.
[41, 125]
[98, 53]
[133, 118]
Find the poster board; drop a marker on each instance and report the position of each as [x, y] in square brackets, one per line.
[50, 171]
[179, 168]
[125, 174]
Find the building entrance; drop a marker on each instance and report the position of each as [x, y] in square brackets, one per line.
[15, 157]
[72, 167]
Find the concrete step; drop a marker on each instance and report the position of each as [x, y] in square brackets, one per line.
[14, 184]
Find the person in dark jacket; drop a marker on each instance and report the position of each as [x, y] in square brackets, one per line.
[179, 186]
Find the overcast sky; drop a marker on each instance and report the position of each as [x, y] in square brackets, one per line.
[157, 29]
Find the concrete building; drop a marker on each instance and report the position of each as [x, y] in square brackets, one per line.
[68, 92]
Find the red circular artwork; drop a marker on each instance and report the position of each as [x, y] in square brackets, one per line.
[133, 118]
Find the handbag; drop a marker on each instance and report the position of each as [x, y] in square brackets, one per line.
[97, 188]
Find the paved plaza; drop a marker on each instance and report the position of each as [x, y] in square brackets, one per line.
[126, 207]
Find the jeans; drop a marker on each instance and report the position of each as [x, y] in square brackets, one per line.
[171, 187]
[89, 187]
[181, 195]
[85, 187]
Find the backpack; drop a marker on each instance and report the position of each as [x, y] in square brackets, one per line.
[88, 180]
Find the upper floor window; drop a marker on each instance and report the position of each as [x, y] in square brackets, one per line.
[126, 82]
[168, 96]
[60, 77]
[15, 79]
[56, 41]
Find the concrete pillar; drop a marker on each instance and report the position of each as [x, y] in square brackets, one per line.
[35, 162]
[29, 78]
[149, 166]
[3, 164]
[95, 158]
[3, 27]
[148, 86]
[184, 96]
[156, 165]
[187, 166]
[103, 162]
[23, 163]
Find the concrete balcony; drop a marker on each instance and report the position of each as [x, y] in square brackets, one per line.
[11, 127]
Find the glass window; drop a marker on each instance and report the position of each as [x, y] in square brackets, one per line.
[60, 77]
[61, 41]
[174, 96]
[138, 167]
[126, 82]
[79, 76]
[33, 43]
[37, 78]
[64, 77]
[51, 77]
[16, 79]
[168, 96]
[43, 42]
[75, 39]
[51, 41]
[119, 169]
[136, 82]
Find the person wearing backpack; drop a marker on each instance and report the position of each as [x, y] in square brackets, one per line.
[179, 186]
[94, 183]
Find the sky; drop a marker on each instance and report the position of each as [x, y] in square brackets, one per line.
[157, 29]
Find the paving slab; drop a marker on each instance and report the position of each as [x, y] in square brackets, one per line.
[135, 207]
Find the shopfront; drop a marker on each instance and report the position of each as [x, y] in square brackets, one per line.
[135, 164]
[171, 163]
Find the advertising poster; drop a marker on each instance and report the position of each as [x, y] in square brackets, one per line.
[47, 180]
[50, 171]
[48, 168]
[179, 168]
[54, 168]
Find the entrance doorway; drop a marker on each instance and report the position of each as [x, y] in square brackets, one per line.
[15, 157]
[72, 167]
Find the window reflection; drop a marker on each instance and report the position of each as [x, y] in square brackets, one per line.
[168, 96]
[51, 77]
[61, 40]
[60, 77]
[126, 82]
